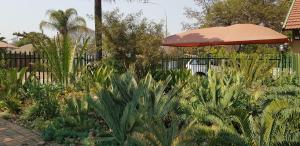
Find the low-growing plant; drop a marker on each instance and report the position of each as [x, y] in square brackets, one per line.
[74, 124]
[43, 102]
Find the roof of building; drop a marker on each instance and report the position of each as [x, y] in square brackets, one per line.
[293, 18]
[24, 49]
[6, 45]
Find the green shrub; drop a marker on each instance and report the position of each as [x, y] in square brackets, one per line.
[74, 123]
[44, 101]
[60, 132]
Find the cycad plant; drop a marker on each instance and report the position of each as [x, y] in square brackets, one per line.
[265, 129]
[254, 67]
[60, 53]
[139, 113]
[96, 77]
[10, 84]
[231, 113]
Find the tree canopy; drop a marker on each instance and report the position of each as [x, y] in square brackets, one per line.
[270, 13]
[64, 22]
[29, 38]
[130, 38]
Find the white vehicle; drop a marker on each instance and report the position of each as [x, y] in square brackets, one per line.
[200, 66]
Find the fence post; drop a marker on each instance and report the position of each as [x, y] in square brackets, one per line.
[208, 61]
[25, 63]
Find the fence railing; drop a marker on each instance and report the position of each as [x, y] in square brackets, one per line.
[204, 63]
[37, 63]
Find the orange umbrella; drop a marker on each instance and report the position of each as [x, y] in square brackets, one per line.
[231, 35]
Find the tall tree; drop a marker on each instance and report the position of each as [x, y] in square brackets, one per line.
[270, 13]
[64, 22]
[98, 24]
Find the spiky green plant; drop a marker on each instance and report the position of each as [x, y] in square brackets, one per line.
[10, 84]
[254, 67]
[227, 106]
[139, 113]
[60, 53]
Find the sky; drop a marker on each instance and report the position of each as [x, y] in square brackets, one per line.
[25, 15]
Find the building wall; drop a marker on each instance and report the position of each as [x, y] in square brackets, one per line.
[295, 45]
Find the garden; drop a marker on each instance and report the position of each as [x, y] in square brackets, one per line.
[127, 99]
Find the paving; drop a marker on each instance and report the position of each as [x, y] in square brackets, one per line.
[14, 135]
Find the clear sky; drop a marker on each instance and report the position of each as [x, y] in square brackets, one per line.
[25, 15]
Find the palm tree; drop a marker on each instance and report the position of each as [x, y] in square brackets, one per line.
[98, 24]
[64, 22]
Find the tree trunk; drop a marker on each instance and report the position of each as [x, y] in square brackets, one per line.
[98, 27]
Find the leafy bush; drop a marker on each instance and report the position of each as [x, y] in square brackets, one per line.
[74, 123]
[44, 101]
[60, 132]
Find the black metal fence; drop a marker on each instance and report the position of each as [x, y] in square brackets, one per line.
[37, 63]
[202, 64]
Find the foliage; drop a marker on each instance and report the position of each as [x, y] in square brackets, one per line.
[45, 104]
[10, 84]
[239, 107]
[227, 12]
[60, 53]
[28, 38]
[132, 39]
[96, 77]
[254, 68]
[98, 23]
[143, 114]
[177, 76]
[74, 123]
[239, 103]
[65, 22]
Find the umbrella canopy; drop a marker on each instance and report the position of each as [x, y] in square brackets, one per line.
[231, 35]
[5, 45]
